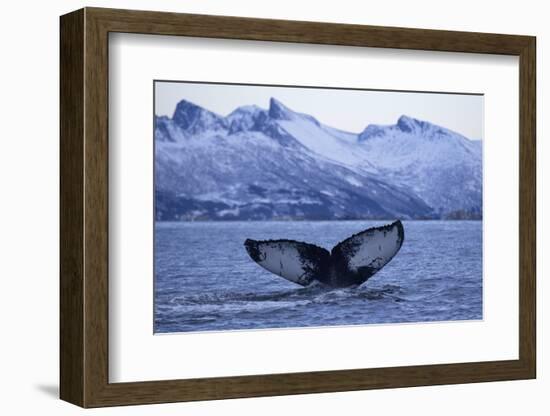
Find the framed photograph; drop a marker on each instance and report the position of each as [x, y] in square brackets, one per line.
[256, 207]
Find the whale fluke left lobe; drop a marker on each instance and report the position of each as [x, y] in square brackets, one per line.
[298, 262]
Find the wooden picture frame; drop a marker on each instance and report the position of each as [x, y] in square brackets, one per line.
[84, 207]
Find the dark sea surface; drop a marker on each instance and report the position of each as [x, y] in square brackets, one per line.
[205, 281]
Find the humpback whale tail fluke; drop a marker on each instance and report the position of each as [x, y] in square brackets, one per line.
[351, 262]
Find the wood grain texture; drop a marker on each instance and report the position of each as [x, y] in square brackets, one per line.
[84, 207]
[162, 23]
[71, 185]
[96, 208]
[527, 208]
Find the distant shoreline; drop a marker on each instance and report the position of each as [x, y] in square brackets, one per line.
[326, 220]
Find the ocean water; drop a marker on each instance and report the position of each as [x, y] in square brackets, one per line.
[205, 281]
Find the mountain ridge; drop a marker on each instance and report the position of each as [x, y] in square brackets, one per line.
[276, 163]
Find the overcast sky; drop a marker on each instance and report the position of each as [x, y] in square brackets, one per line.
[349, 110]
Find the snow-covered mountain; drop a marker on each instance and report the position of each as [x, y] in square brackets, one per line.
[442, 167]
[279, 164]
